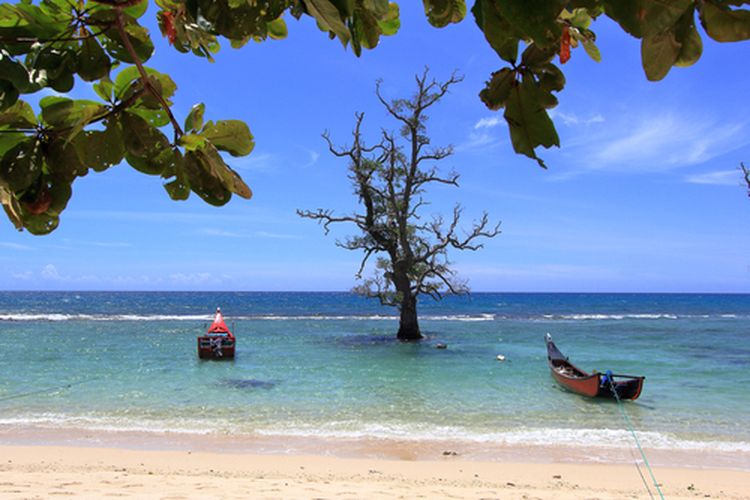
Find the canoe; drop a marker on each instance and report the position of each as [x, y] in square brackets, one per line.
[218, 342]
[593, 385]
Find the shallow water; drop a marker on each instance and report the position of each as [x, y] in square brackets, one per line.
[327, 364]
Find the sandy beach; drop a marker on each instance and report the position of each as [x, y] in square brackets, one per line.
[84, 472]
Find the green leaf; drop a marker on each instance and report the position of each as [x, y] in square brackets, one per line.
[137, 10]
[11, 206]
[129, 81]
[328, 17]
[63, 158]
[103, 149]
[536, 20]
[21, 165]
[61, 112]
[104, 88]
[530, 125]
[277, 29]
[592, 50]
[93, 63]
[232, 136]
[691, 45]
[390, 22]
[192, 142]
[124, 79]
[441, 13]
[201, 170]
[20, 115]
[63, 83]
[155, 117]
[179, 187]
[659, 53]
[194, 120]
[10, 140]
[113, 42]
[211, 178]
[8, 94]
[551, 78]
[13, 72]
[496, 92]
[646, 17]
[143, 144]
[57, 193]
[535, 56]
[724, 24]
[497, 30]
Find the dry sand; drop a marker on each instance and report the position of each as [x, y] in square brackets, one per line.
[86, 472]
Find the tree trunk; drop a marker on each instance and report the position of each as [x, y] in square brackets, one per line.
[408, 327]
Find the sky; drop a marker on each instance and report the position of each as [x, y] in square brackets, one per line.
[644, 194]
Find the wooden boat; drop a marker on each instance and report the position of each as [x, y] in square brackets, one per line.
[593, 385]
[218, 342]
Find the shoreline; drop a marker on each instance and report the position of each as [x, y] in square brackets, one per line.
[370, 448]
[43, 471]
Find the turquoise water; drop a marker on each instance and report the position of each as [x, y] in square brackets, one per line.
[327, 364]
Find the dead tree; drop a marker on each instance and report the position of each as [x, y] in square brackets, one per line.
[390, 179]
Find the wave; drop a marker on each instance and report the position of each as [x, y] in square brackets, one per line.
[364, 317]
[260, 317]
[598, 438]
[614, 439]
[585, 317]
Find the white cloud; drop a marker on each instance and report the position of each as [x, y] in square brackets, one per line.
[658, 143]
[49, 272]
[279, 236]
[489, 122]
[653, 141]
[209, 231]
[478, 141]
[24, 276]
[256, 162]
[192, 278]
[314, 156]
[718, 178]
[103, 244]
[14, 246]
[573, 119]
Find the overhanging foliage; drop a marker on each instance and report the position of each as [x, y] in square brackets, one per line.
[57, 44]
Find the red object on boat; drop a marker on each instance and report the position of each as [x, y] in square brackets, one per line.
[593, 385]
[218, 342]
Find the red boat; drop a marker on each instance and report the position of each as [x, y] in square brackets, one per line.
[218, 342]
[593, 385]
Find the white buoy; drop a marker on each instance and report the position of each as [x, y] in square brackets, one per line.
[500, 357]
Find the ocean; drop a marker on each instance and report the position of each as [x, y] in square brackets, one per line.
[327, 365]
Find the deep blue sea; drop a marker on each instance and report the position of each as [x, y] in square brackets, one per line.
[327, 364]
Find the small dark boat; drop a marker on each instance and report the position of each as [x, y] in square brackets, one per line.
[218, 342]
[593, 385]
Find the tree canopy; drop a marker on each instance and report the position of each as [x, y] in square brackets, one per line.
[57, 44]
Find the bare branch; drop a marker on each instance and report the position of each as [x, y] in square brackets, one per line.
[478, 231]
[326, 218]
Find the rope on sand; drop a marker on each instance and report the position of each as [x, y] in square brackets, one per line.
[629, 425]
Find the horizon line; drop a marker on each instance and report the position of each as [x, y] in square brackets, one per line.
[353, 293]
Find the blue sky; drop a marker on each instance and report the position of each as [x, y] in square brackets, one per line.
[644, 195]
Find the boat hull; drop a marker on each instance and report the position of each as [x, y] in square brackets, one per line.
[593, 385]
[207, 348]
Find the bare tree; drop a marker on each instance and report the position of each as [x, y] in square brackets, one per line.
[746, 175]
[390, 179]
